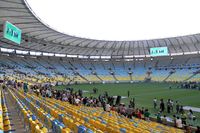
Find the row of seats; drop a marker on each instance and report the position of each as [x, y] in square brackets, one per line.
[31, 122]
[89, 119]
[47, 119]
[63, 124]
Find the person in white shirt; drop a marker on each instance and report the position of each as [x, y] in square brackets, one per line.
[77, 101]
[108, 107]
[179, 123]
[172, 105]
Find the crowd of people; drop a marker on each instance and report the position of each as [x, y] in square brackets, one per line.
[180, 117]
[108, 103]
[103, 100]
[190, 85]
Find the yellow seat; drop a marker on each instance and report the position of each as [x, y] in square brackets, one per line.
[6, 122]
[44, 130]
[7, 128]
[65, 130]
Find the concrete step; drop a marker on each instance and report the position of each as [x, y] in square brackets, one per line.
[15, 119]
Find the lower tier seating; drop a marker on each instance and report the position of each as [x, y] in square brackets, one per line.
[62, 117]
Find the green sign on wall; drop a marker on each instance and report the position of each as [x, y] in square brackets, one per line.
[159, 51]
[12, 33]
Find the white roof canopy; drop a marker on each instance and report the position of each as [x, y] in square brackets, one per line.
[38, 36]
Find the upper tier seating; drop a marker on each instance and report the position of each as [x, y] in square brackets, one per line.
[44, 70]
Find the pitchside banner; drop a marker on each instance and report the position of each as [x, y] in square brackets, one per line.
[12, 33]
[159, 51]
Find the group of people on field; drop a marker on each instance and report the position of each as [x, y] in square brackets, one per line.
[190, 85]
[180, 116]
[169, 105]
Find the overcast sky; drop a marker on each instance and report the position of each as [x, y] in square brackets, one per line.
[120, 19]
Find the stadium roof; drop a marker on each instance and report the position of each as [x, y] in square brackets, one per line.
[38, 36]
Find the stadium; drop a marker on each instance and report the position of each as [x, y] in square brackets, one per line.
[61, 81]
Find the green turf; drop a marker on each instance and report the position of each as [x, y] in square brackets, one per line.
[144, 93]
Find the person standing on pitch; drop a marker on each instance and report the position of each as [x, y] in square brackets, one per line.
[162, 105]
[128, 93]
[154, 103]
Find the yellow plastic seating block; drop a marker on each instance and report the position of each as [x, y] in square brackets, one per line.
[6, 122]
[97, 124]
[7, 128]
[75, 127]
[37, 129]
[110, 130]
[40, 125]
[5, 118]
[25, 115]
[44, 130]
[1, 126]
[145, 131]
[70, 123]
[66, 120]
[81, 121]
[98, 131]
[103, 127]
[32, 125]
[65, 130]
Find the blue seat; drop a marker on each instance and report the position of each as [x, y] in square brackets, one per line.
[82, 129]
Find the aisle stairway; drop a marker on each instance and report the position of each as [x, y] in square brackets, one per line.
[17, 122]
[24, 119]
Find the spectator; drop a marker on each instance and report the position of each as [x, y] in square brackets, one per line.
[158, 117]
[84, 101]
[181, 109]
[37, 91]
[190, 117]
[177, 107]
[108, 107]
[172, 105]
[129, 112]
[174, 120]
[128, 93]
[198, 130]
[139, 114]
[162, 105]
[179, 123]
[15, 84]
[183, 117]
[154, 103]
[123, 110]
[77, 101]
[188, 129]
[142, 110]
[25, 87]
[4, 86]
[168, 106]
[132, 103]
[164, 120]
[113, 108]
[146, 114]
[43, 92]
